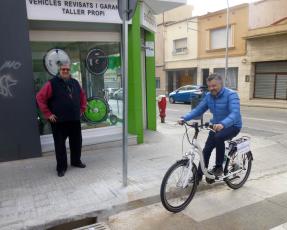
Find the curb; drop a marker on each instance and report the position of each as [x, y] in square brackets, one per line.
[265, 106]
[102, 215]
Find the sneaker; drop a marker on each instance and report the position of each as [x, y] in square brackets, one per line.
[216, 171]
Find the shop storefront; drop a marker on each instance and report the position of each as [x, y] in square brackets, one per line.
[179, 78]
[87, 34]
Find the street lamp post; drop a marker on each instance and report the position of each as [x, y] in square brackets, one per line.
[227, 38]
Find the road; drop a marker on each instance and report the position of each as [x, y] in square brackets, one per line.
[265, 122]
[260, 204]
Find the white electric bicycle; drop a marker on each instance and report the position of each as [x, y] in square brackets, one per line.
[180, 181]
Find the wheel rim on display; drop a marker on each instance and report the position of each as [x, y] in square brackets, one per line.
[97, 110]
[53, 58]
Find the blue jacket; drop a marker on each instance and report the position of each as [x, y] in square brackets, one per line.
[225, 107]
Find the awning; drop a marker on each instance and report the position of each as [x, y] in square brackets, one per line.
[160, 6]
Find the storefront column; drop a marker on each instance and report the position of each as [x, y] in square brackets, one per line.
[19, 136]
[135, 107]
[150, 86]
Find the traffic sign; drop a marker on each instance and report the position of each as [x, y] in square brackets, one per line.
[131, 8]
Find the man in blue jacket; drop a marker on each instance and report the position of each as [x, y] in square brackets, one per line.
[224, 104]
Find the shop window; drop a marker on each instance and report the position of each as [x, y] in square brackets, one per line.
[180, 46]
[99, 78]
[232, 77]
[217, 38]
[157, 82]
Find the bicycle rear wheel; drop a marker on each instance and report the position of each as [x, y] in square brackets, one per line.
[173, 196]
[241, 163]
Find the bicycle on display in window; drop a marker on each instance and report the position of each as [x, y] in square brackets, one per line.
[180, 181]
[98, 108]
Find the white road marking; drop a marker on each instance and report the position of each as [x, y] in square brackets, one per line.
[280, 227]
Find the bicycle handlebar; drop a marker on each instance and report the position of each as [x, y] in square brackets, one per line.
[195, 125]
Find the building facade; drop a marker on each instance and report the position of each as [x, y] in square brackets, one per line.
[37, 35]
[176, 46]
[267, 49]
[212, 48]
[193, 47]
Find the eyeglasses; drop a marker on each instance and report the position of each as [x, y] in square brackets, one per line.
[65, 69]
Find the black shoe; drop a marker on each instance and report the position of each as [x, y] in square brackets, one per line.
[79, 165]
[216, 171]
[209, 181]
[61, 173]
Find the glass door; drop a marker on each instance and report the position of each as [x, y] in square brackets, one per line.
[96, 65]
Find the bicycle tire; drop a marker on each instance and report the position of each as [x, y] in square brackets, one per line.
[113, 119]
[97, 110]
[163, 192]
[229, 181]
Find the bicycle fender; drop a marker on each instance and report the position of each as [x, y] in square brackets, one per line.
[250, 155]
[183, 160]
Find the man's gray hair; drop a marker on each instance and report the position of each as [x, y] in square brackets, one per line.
[61, 63]
[214, 76]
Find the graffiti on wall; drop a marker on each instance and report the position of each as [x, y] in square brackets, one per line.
[6, 79]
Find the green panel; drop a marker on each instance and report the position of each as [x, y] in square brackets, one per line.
[151, 86]
[135, 109]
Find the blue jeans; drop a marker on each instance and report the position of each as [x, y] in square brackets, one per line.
[216, 140]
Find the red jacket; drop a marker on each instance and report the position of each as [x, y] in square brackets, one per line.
[46, 93]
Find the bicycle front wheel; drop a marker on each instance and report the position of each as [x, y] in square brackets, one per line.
[174, 196]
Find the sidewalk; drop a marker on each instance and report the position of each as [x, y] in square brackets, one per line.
[33, 197]
[280, 104]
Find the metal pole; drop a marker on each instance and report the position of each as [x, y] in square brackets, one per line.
[227, 36]
[125, 92]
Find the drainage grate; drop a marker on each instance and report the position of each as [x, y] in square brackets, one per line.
[97, 226]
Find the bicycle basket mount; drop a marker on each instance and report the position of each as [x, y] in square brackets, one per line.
[242, 144]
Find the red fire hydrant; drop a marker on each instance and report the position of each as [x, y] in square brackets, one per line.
[162, 107]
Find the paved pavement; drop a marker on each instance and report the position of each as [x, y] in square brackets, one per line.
[266, 103]
[259, 205]
[33, 197]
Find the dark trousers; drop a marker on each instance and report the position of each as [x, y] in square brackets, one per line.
[216, 140]
[61, 131]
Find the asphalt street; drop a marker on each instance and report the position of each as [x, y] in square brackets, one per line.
[265, 122]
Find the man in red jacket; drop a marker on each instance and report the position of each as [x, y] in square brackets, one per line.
[62, 101]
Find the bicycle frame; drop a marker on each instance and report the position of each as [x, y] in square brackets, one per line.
[196, 149]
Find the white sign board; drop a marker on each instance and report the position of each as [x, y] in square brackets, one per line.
[149, 49]
[102, 11]
[148, 20]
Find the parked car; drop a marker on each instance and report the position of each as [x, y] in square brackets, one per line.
[111, 91]
[118, 94]
[186, 93]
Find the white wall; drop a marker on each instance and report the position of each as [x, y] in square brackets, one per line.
[180, 30]
[264, 13]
